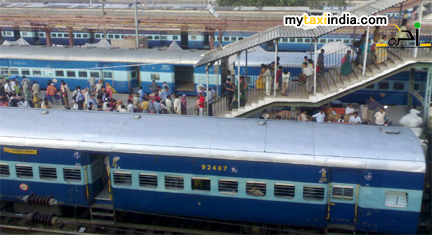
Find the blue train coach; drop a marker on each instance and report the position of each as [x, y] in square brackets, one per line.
[122, 68]
[369, 178]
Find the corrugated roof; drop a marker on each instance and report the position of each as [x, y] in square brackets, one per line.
[369, 8]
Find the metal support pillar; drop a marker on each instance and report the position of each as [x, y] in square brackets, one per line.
[400, 16]
[207, 85]
[71, 37]
[48, 37]
[410, 88]
[311, 48]
[217, 78]
[419, 29]
[365, 51]
[293, 111]
[238, 80]
[220, 37]
[354, 38]
[314, 66]
[136, 25]
[275, 66]
[211, 41]
[246, 60]
[428, 96]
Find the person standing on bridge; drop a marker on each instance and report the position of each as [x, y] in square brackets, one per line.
[321, 60]
[346, 68]
[268, 80]
[230, 88]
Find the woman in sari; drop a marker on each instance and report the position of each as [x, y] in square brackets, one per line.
[346, 64]
[183, 105]
[259, 84]
[110, 90]
[381, 52]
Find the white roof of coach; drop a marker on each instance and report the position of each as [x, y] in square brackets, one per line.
[320, 144]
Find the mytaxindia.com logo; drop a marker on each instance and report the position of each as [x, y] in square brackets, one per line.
[328, 19]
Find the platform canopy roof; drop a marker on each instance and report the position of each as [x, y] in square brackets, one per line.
[368, 8]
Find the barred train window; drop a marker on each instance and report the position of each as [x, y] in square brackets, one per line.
[36, 72]
[343, 192]
[173, 182]
[396, 199]
[72, 174]
[201, 184]
[313, 193]
[286, 191]
[256, 189]
[228, 186]
[24, 171]
[122, 178]
[47, 173]
[14, 71]
[25, 71]
[4, 170]
[148, 180]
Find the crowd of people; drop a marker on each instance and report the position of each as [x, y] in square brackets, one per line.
[99, 97]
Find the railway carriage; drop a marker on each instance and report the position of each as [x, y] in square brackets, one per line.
[289, 173]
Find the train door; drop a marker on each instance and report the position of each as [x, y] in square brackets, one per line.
[184, 38]
[184, 79]
[343, 197]
[134, 78]
[98, 175]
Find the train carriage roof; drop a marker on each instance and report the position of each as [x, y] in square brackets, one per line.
[146, 56]
[320, 144]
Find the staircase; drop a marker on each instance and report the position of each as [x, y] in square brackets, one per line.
[331, 84]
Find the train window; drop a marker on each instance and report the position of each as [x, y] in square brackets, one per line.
[47, 173]
[173, 182]
[200, 184]
[240, 38]
[98, 36]
[346, 41]
[78, 35]
[122, 178]
[228, 186]
[59, 73]
[164, 37]
[343, 192]
[72, 174]
[117, 36]
[41, 35]
[25, 71]
[66, 35]
[330, 40]
[83, 74]
[110, 36]
[24, 34]
[37, 72]
[155, 76]
[54, 35]
[14, 71]
[286, 191]
[133, 74]
[193, 37]
[175, 37]
[322, 40]
[417, 86]
[307, 40]
[398, 86]
[156, 37]
[4, 170]
[396, 199]
[107, 74]
[233, 39]
[284, 39]
[150, 37]
[148, 180]
[313, 193]
[70, 74]
[299, 40]
[371, 86]
[94, 74]
[24, 171]
[226, 39]
[256, 189]
[383, 85]
[338, 40]
[292, 40]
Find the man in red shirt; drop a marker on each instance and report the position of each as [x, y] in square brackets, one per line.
[51, 93]
[278, 77]
[201, 104]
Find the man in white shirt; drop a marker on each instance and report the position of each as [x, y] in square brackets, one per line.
[177, 104]
[319, 116]
[168, 104]
[303, 117]
[23, 103]
[379, 117]
[349, 109]
[355, 118]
